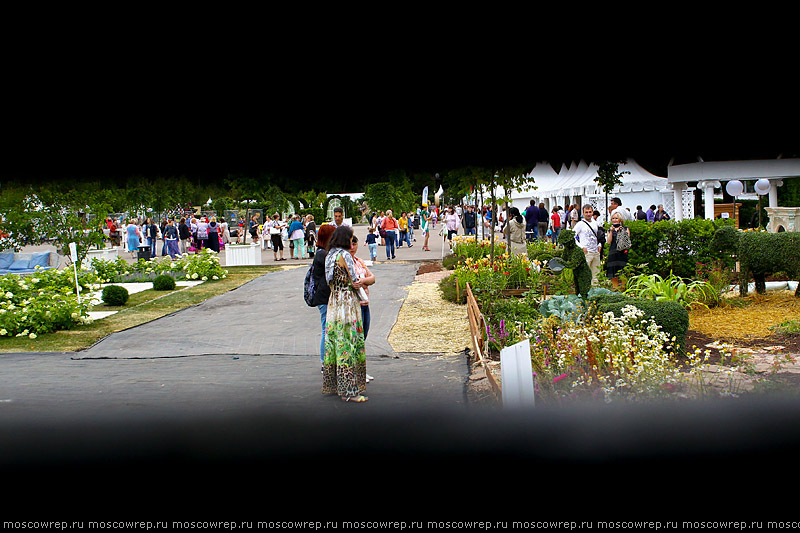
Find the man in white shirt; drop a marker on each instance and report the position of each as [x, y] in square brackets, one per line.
[338, 217]
[586, 237]
[616, 207]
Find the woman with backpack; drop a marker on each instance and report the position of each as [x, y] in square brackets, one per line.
[322, 291]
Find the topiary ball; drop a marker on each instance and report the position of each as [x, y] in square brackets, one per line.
[164, 283]
[115, 295]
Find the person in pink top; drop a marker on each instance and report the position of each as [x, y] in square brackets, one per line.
[452, 222]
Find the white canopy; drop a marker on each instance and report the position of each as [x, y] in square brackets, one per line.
[578, 180]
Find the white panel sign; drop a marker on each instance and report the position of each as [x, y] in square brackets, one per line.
[517, 375]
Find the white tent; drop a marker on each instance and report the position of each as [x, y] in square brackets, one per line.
[574, 184]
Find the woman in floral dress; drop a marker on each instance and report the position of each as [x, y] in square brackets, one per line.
[344, 369]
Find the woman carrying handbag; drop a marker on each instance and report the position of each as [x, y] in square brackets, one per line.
[619, 243]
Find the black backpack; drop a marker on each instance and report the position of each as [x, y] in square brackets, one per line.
[601, 233]
[308, 287]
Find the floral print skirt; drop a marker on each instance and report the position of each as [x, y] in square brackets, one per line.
[344, 369]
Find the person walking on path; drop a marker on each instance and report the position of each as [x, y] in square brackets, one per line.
[586, 237]
[403, 223]
[424, 220]
[390, 226]
[344, 369]
[297, 236]
[451, 223]
[321, 288]
[372, 244]
[311, 235]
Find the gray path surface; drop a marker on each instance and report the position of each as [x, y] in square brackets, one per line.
[256, 347]
[265, 316]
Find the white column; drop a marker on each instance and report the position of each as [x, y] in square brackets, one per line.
[708, 197]
[677, 200]
[773, 192]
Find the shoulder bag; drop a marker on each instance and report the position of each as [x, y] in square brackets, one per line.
[623, 240]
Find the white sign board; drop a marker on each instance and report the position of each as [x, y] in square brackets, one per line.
[516, 373]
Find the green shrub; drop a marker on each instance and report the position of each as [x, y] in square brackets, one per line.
[447, 287]
[671, 316]
[164, 282]
[761, 253]
[672, 246]
[450, 262]
[115, 295]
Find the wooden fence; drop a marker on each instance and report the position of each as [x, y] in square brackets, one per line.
[477, 326]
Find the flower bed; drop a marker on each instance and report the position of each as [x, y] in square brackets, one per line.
[47, 301]
[203, 265]
[43, 302]
[629, 351]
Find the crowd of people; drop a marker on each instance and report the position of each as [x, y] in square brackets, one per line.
[178, 236]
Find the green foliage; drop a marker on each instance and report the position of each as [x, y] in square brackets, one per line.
[448, 288]
[451, 261]
[671, 316]
[671, 288]
[788, 327]
[115, 295]
[395, 195]
[42, 302]
[761, 253]
[568, 307]
[672, 246]
[164, 282]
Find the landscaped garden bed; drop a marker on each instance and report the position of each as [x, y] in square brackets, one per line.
[659, 336]
[43, 311]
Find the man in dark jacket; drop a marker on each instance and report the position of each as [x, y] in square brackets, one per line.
[532, 221]
[544, 221]
[469, 221]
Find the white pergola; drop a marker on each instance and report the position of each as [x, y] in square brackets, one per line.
[711, 175]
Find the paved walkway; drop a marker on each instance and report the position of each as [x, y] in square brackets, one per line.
[256, 347]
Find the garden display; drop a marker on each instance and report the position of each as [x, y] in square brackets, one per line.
[47, 301]
[631, 345]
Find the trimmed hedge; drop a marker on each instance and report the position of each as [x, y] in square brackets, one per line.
[673, 246]
[761, 253]
[671, 316]
[164, 282]
[115, 295]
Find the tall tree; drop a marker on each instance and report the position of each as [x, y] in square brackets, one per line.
[609, 176]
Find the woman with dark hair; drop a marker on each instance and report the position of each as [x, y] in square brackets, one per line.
[516, 229]
[185, 234]
[322, 291]
[344, 368]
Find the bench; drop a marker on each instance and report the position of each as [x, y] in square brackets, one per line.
[26, 262]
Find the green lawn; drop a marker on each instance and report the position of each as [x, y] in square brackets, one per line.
[141, 307]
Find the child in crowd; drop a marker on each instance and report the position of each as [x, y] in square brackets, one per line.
[372, 244]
